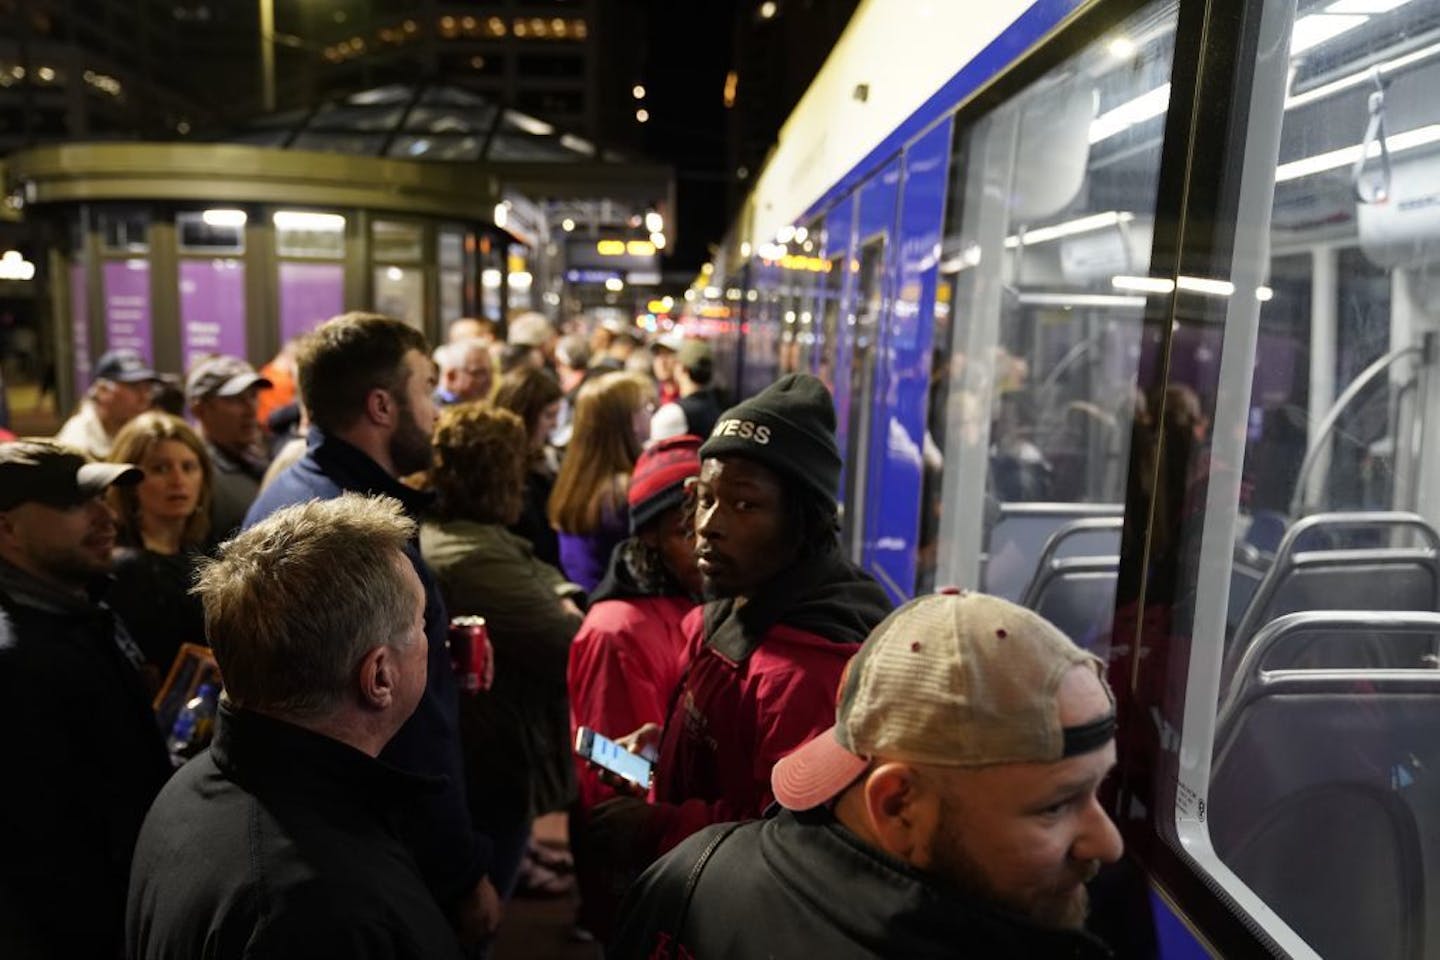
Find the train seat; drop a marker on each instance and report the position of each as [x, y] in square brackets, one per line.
[1077, 594]
[1021, 532]
[1325, 801]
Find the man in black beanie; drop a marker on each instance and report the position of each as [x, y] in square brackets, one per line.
[765, 654]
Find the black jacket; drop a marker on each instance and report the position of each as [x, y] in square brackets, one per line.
[802, 886]
[278, 842]
[702, 409]
[452, 856]
[152, 597]
[80, 761]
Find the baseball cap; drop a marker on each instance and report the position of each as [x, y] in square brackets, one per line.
[950, 679]
[529, 330]
[42, 471]
[658, 481]
[693, 353]
[123, 366]
[222, 376]
[672, 340]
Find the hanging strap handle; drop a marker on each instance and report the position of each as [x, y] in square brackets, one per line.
[1373, 191]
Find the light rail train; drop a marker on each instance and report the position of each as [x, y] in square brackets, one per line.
[1130, 313]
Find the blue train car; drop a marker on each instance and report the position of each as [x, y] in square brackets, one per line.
[1130, 313]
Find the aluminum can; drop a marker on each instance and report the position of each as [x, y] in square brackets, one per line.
[471, 654]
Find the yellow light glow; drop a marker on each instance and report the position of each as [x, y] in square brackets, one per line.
[732, 80]
[610, 248]
[640, 248]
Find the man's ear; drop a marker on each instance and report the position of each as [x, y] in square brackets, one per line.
[895, 802]
[378, 678]
[380, 407]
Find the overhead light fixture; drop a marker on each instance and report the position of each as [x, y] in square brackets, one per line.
[1142, 108]
[1121, 48]
[1346, 156]
[305, 220]
[638, 92]
[614, 284]
[1211, 288]
[223, 218]
[1144, 284]
[529, 124]
[1080, 300]
[520, 280]
[1098, 221]
[1315, 29]
[490, 278]
[14, 266]
[657, 239]
[502, 214]
[654, 222]
[394, 273]
[767, 9]
[642, 115]
[567, 224]
[640, 248]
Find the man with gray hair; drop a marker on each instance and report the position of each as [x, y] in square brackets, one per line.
[279, 839]
[466, 372]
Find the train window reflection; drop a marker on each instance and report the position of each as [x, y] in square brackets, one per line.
[1319, 797]
[1053, 195]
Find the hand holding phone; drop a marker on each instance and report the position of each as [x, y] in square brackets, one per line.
[609, 755]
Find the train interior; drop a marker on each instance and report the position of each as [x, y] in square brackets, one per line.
[979, 303]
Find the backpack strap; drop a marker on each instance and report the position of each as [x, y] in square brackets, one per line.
[693, 881]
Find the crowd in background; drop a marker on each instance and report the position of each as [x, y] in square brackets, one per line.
[649, 564]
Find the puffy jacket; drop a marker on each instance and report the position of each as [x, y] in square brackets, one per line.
[760, 680]
[800, 886]
[451, 855]
[625, 661]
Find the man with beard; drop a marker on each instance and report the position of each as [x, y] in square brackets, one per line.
[951, 811]
[367, 382]
[81, 754]
[764, 656]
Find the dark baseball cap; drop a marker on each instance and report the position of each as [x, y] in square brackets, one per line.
[123, 366]
[222, 376]
[42, 471]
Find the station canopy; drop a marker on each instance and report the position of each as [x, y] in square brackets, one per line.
[571, 177]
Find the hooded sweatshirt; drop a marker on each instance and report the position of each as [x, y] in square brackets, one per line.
[761, 680]
[625, 660]
[800, 885]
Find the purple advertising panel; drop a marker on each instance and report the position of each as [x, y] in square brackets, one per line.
[127, 306]
[80, 325]
[212, 308]
[310, 294]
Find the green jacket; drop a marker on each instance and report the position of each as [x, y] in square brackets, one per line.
[516, 736]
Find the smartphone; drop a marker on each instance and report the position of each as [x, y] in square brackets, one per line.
[604, 752]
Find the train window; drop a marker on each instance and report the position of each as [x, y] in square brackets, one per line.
[829, 321]
[868, 308]
[1052, 197]
[1307, 581]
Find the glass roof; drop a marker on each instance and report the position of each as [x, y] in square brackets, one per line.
[422, 122]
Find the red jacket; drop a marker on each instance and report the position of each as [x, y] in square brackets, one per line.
[624, 664]
[760, 681]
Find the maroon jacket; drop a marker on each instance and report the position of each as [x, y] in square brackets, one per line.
[760, 680]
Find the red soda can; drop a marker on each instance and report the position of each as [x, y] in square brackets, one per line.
[471, 654]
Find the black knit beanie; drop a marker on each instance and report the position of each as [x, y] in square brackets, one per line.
[789, 427]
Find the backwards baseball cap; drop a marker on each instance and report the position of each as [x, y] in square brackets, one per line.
[123, 366]
[658, 482]
[222, 376]
[41, 471]
[693, 353]
[956, 680]
[789, 427]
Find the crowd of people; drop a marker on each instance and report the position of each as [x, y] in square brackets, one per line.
[651, 565]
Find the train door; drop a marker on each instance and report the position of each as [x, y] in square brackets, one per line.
[1283, 688]
[898, 445]
[869, 307]
[832, 356]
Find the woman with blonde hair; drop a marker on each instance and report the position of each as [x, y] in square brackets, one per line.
[612, 423]
[163, 523]
[515, 736]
